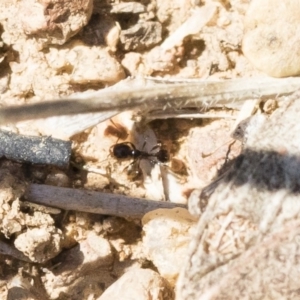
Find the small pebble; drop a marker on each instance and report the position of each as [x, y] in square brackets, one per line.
[272, 37]
[142, 284]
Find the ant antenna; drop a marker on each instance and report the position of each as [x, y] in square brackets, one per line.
[230, 142]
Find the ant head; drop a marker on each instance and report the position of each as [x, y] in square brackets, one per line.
[163, 155]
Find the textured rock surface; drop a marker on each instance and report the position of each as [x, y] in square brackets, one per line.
[75, 265]
[247, 237]
[272, 39]
[41, 59]
[167, 234]
[61, 19]
[39, 244]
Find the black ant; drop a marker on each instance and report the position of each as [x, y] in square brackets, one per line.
[127, 150]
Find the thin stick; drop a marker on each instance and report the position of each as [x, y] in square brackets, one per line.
[35, 149]
[183, 115]
[177, 95]
[94, 202]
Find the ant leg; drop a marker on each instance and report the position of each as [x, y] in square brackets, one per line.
[116, 132]
[144, 144]
[82, 166]
[123, 134]
[157, 147]
[230, 143]
[133, 169]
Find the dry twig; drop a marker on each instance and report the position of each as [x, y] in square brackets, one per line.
[176, 95]
[94, 202]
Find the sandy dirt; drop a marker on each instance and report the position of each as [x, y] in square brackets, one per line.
[52, 49]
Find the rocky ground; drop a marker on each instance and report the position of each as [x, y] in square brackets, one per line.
[59, 48]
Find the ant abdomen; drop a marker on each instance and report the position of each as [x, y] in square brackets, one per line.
[125, 150]
[121, 151]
